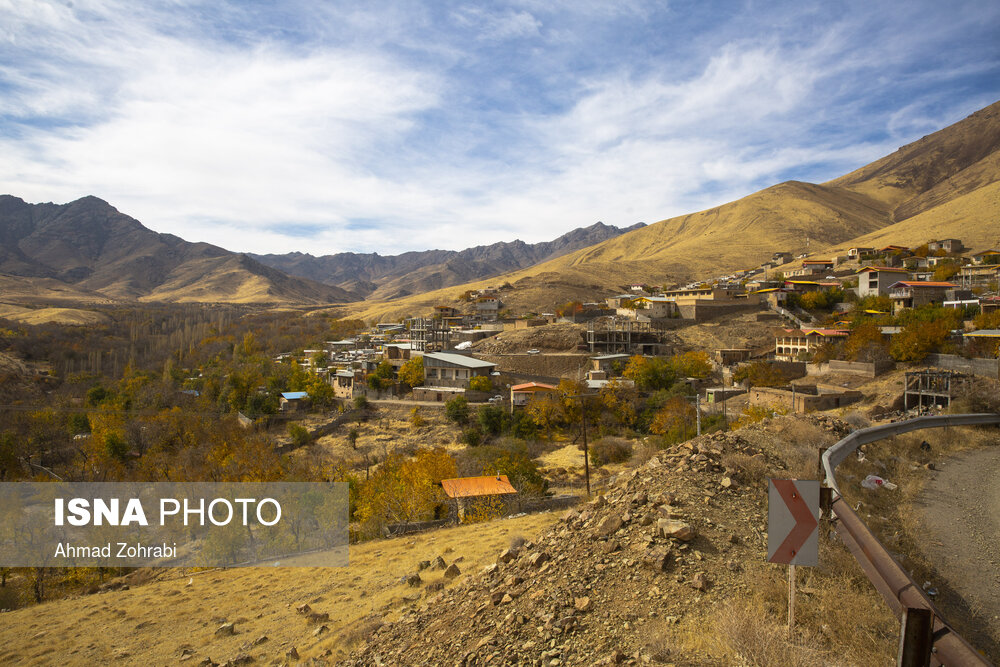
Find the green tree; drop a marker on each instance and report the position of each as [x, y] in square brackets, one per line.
[457, 410]
[649, 373]
[491, 419]
[115, 446]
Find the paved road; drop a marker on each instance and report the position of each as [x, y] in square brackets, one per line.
[960, 511]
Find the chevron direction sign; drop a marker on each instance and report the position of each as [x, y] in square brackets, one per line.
[792, 513]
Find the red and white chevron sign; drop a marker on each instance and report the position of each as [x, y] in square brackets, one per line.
[792, 513]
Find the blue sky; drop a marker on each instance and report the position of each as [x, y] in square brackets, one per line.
[391, 126]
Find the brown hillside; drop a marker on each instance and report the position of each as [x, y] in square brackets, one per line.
[733, 236]
[935, 162]
[942, 185]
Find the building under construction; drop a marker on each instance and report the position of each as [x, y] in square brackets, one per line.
[932, 388]
[429, 334]
[617, 335]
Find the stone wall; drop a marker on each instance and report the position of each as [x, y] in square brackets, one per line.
[986, 367]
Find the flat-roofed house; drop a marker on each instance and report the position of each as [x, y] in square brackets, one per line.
[648, 307]
[445, 369]
[978, 275]
[859, 252]
[611, 364]
[948, 245]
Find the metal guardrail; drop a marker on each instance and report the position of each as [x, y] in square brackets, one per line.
[895, 585]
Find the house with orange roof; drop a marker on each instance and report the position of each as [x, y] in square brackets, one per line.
[521, 394]
[916, 293]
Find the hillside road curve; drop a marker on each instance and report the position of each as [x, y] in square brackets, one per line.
[959, 510]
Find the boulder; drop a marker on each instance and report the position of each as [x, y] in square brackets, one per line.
[610, 525]
[676, 529]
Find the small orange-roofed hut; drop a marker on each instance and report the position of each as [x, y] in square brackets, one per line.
[463, 488]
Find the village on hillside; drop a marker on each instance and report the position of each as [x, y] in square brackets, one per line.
[779, 333]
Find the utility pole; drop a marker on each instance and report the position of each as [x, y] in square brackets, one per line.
[697, 411]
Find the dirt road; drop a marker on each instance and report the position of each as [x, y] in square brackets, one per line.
[960, 510]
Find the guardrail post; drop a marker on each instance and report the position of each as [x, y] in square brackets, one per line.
[916, 638]
[825, 502]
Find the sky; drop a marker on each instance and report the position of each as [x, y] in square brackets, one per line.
[327, 127]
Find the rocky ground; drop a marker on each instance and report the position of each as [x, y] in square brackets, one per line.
[668, 541]
[548, 338]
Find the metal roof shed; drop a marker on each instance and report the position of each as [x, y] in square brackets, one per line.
[463, 488]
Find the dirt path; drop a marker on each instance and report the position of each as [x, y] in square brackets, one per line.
[960, 510]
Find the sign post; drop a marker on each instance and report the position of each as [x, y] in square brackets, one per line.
[792, 535]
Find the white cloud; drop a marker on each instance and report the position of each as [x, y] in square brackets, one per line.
[394, 130]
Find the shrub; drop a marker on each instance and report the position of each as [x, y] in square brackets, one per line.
[760, 374]
[457, 410]
[472, 437]
[360, 402]
[416, 420]
[299, 434]
[751, 470]
[491, 419]
[610, 450]
[756, 413]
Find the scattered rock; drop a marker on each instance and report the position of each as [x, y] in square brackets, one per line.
[413, 580]
[658, 559]
[423, 565]
[582, 604]
[226, 629]
[676, 529]
[439, 564]
[611, 525]
[452, 572]
[507, 556]
[537, 559]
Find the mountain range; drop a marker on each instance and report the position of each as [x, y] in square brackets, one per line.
[92, 247]
[379, 277]
[946, 184]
